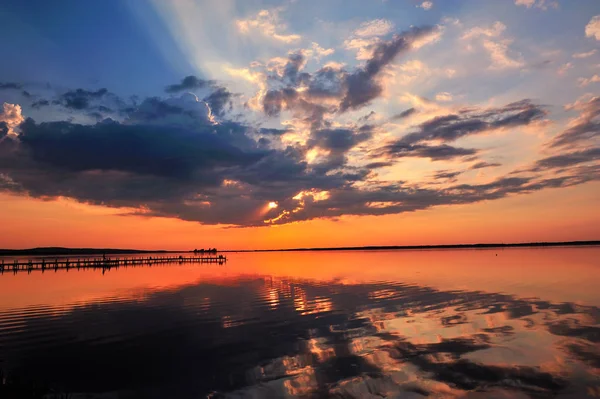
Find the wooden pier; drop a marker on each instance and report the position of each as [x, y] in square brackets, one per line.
[104, 264]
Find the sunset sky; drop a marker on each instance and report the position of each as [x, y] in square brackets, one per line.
[275, 124]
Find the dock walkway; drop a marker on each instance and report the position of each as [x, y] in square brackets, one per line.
[101, 263]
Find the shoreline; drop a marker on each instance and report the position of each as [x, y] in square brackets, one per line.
[433, 247]
[60, 251]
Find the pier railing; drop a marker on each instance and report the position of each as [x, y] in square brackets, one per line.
[101, 263]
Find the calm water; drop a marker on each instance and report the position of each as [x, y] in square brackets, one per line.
[515, 323]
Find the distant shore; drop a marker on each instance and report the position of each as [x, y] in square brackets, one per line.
[61, 251]
[425, 247]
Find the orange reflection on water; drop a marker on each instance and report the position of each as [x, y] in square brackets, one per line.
[549, 273]
[406, 315]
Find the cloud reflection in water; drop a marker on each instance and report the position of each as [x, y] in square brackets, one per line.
[271, 337]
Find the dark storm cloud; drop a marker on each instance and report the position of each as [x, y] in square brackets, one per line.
[338, 140]
[219, 101]
[169, 159]
[475, 121]
[584, 128]
[189, 83]
[399, 149]
[80, 99]
[155, 108]
[40, 103]
[3, 130]
[139, 149]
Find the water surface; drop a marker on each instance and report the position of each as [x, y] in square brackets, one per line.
[512, 323]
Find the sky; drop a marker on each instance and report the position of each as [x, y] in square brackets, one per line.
[298, 123]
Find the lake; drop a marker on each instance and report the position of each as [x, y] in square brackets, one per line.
[493, 323]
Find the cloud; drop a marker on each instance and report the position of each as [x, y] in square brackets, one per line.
[498, 49]
[495, 30]
[569, 159]
[183, 111]
[447, 175]
[585, 55]
[426, 5]
[582, 82]
[499, 55]
[189, 83]
[363, 46]
[266, 23]
[565, 68]
[338, 140]
[592, 29]
[3, 130]
[169, 158]
[405, 114]
[376, 27]
[365, 38]
[415, 71]
[10, 86]
[183, 157]
[313, 96]
[40, 103]
[138, 149]
[470, 121]
[482, 164]
[80, 99]
[526, 3]
[10, 118]
[443, 96]
[542, 4]
[319, 52]
[400, 149]
[219, 101]
[273, 131]
[361, 86]
[582, 129]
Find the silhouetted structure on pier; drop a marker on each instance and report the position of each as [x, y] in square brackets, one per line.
[205, 251]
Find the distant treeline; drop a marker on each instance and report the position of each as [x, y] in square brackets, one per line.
[425, 247]
[71, 251]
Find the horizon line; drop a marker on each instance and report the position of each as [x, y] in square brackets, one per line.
[40, 250]
[432, 246]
